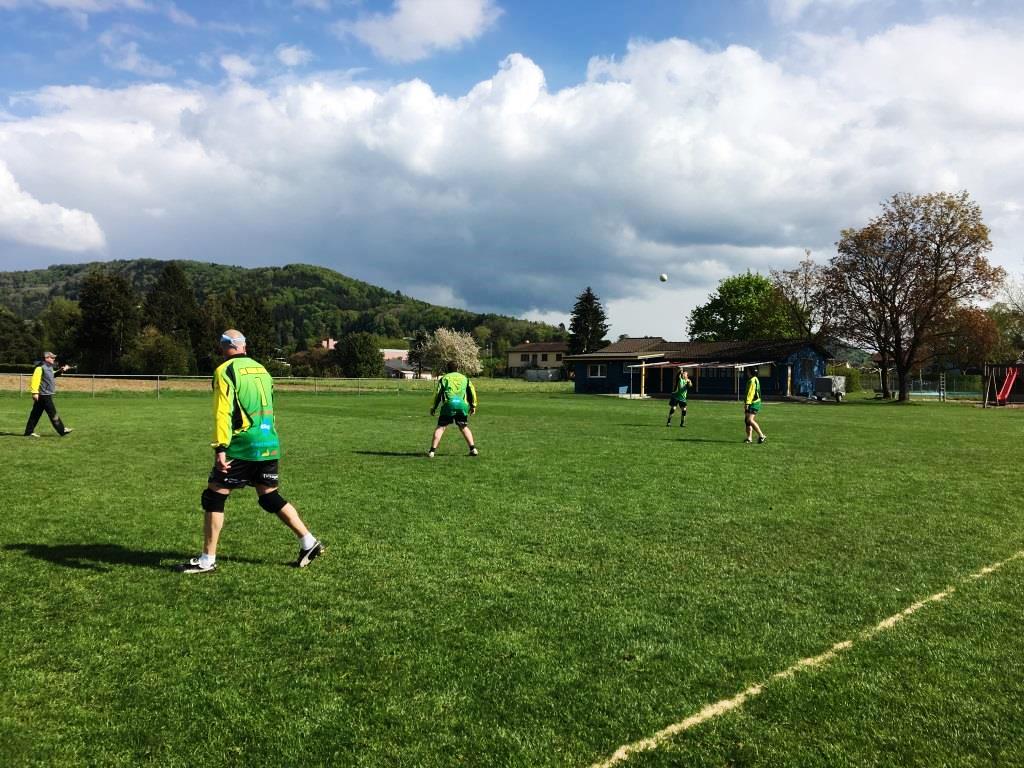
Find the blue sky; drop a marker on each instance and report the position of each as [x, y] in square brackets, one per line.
[531, 148]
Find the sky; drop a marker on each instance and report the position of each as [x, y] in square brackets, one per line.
[502, 156]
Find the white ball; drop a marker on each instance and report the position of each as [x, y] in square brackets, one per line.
[663, 277]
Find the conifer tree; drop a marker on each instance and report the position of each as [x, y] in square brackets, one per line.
[588, 325]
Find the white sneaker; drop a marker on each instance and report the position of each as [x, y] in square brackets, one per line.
[195, 566]
[306, 556]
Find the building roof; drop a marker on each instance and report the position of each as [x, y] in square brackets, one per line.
[541, 346]
[625, 349]
[699, 351]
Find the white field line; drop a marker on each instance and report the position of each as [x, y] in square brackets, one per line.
[624, 752]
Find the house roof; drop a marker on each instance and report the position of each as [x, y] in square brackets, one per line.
[541, 346]
[397, 364]
[699, 351]
[625, 349]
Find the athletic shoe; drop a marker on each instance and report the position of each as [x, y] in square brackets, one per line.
[681, 424]
[473, 451]
[194, 566]
[306, 556]
[668, 423]
[33, 434]
[761, 439]
[67, 431]
[430, 453]
[748, 440]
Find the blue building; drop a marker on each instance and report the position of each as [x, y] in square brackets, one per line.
[648, 366]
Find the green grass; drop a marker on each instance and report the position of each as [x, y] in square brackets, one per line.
[592, 578]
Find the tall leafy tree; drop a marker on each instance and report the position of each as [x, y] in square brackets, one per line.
[171, 303]
[900, 279]
[110, 321]
[17, 342]
[172, 310]
[59, 324]
[588, 324]
[157, 353]
[745, 307]
[970, 340]
[805, 294]
[418, 350]
[359, 356]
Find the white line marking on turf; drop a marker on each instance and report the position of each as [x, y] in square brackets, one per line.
[624, 752]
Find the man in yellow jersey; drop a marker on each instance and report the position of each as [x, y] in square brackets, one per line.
[43, 388]
[456, 396]
[245, 452]
[752, 407]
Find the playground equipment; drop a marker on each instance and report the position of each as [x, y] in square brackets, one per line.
[1009, 374]
[1004, 392]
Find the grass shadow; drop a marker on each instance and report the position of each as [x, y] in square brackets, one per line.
[403, 454]
[684, 438]
[101, 557]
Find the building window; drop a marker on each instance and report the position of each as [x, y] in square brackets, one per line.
[558, 357]
[544, 357]
[533, 357]
[597, 371]
[765, 371]
[524, 358]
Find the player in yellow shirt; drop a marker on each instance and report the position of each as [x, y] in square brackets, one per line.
[246, 450]
[456, 396]
[752, 406]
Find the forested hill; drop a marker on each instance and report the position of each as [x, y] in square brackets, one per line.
[304, 302]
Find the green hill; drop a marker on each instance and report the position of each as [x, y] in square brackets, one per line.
[305, 302]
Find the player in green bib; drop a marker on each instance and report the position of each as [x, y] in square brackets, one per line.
[678, 398]
[245, 451]
[456, 396]
[752, 406]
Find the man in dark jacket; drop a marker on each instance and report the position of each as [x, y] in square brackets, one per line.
[43, 388]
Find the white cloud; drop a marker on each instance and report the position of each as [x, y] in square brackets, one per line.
[791, 10]
[316, 5]
[23, 219]
[512, 197]
[418, 28]
[80, 6]
[125, 55]
[293, 55]
[237, 66]
[180, 17]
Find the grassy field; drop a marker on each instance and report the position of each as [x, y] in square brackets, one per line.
[592, 578]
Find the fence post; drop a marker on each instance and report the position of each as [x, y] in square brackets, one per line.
[94, 385]
[21, 383]
[158, 387]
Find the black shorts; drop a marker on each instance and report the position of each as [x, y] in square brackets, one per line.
[242, 473]
[460, 419]
[673, 402]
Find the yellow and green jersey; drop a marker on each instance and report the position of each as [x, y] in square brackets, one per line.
[243, 410]
[754, 392]
[455, 394]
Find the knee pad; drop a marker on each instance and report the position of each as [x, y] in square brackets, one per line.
[213, 501]
[272, 502]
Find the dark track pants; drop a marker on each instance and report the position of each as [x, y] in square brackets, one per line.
[44, 403]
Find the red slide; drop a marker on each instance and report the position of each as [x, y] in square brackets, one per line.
[1004, 393]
